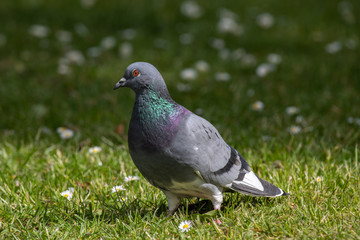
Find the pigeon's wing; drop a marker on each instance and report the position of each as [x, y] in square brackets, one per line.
[199, 145]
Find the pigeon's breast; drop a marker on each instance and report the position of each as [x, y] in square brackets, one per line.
[152, 135]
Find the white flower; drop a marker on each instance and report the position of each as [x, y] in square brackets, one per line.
[128, 34]
[75, 56]
[63, 36]
[333, 47]
[346, 10]
[238, 54]
[266, 138]
[65, 133]
[181, 87]
[199, 111]
[265, 20]
[224, 53]
[350, 43]
[118, 188]
[291, 110]
[131, 178]
[123, 199]
[108, 42]
[222, 76]
[71, 189]
[95, 149]
[258, 106]
[353, 120]
[39, 110]
[161, 43]
[202, 66]
[191, 9]
[217, 43]
[264, 69]
[294, 129]
[60, 129]
[248, 59]
[188, 74]
[39, 31]
[125, 49]
[250, 92]
[2, 39]
[299, 119]
[319, 178]
[68, 194]
[81, 29]
[94, 52]
[185, 226]
[274, 58]
[87, 3]
[64, 69]
[186, 38]
[229, 25]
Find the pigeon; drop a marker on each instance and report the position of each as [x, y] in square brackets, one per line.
[180, 152]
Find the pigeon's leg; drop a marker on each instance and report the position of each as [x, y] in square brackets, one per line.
[173, 202]
[216, 201]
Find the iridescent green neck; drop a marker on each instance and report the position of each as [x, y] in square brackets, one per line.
[152, 106]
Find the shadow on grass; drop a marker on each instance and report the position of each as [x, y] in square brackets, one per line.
[147, 209]
[113, 209]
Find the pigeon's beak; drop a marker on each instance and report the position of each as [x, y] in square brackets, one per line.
[120, 83]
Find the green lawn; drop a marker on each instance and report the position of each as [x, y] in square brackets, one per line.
[59, 61]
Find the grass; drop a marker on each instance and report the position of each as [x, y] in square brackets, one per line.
[37, 165]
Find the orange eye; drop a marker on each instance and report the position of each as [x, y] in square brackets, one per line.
[135, 73]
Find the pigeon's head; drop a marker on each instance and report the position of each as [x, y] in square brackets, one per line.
[141, 75]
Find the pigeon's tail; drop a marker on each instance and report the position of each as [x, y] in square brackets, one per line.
[251, 184]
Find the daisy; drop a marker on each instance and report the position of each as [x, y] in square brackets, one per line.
[202, 66]
[291, 110]
[228, 24]
[39, 31]
[191, 9]
[131, 178]
[222, 76]
[258, 106]
[183, 87]
[108, 42]
[333, 47]
[66, 134]
[75, 56]
[63, 36]
[64, 69]
[264, 69]
[94, 52]
[2, 39]
[274, 58]
[118, 188]
[319, 178]
[95, 149]
[123, 199]
[188, 74]
[68, 194]
[125, 50]
[87, 3]
[265, 20]
[294, 129]
[186, 38]
[185, 226]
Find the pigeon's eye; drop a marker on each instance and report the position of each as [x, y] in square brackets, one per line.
[135, 73]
